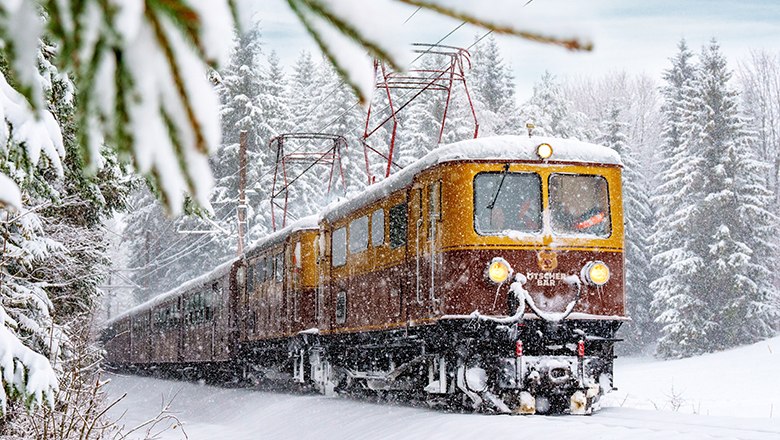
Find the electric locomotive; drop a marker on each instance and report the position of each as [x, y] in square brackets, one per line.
[487, 274]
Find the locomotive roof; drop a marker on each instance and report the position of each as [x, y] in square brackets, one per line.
[309, 222]
[498, 148]
[217, 273]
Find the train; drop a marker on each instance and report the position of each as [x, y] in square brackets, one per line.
[488, 275]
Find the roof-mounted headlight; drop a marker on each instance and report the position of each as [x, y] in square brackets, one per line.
[544, 151]
[595, 273]
[498, 271]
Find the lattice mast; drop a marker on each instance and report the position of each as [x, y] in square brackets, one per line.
[416, 82]
[309, 151]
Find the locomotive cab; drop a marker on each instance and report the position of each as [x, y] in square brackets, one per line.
[489, 272]
[528, 251]
[543, 222]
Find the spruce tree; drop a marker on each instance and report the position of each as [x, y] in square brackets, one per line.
[552, 113]
[302, 92]
[716, 292]
[678, 311]
[339, 113]
[240, 90]
[54, 254]
[638, 223]
[276, 119]
[493, 91]
[735, 214]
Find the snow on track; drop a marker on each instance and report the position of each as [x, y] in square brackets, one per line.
[739, 389]
[741, 382]
[222, 413]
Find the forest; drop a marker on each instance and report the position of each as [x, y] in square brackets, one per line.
[97, 186]
[700, 149]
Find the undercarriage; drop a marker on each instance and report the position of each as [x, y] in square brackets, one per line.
[528, 367]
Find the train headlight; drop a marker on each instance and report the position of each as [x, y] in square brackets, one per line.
[544, 151]
[499, 270]
[596, 273]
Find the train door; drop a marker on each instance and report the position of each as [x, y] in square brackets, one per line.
[337, 308]
[398, 253]
[180, 328]
[293, 286]
[278, 326]
[433, 244]
[417, 302]
[235, 285]
[131, 340]
[306, 284]
[322, 298]
[247, 311]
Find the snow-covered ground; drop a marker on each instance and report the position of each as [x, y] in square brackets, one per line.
[742, 382]
[729, 395]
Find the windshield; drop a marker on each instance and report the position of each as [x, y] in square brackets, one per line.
[579, 205]
[507, 201]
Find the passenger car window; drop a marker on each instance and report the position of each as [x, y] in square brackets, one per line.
[260, 270]
[176, 316]
[339, 247]
[250, 278]
[378, 228]
[507, 202]
[579, 205]
[279, 267]
[358, 235]
[398, 225]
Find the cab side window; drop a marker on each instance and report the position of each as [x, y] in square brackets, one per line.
[260, 271]
[250, 278]
[279, 267]
[358, 235]
[339, 247]
[378, 228]
[398, 225]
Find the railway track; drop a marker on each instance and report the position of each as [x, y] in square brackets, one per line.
[237, 413]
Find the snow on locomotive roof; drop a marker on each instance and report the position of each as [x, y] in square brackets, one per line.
[218, 272]
[309, 222]
[499, 148]
[522, 148]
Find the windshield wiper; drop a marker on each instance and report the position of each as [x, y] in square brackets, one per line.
[498, 190]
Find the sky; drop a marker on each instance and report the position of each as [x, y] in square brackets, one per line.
[630, 35]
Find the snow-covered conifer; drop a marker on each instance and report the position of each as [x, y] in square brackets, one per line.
[243, 109]
[276, 119]
[340, 114]
[302, 91]
[54, 252]
[638, 223]
[493, 90]
[552, 113]
[679, 312]
[718, 259]
[735, 214]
